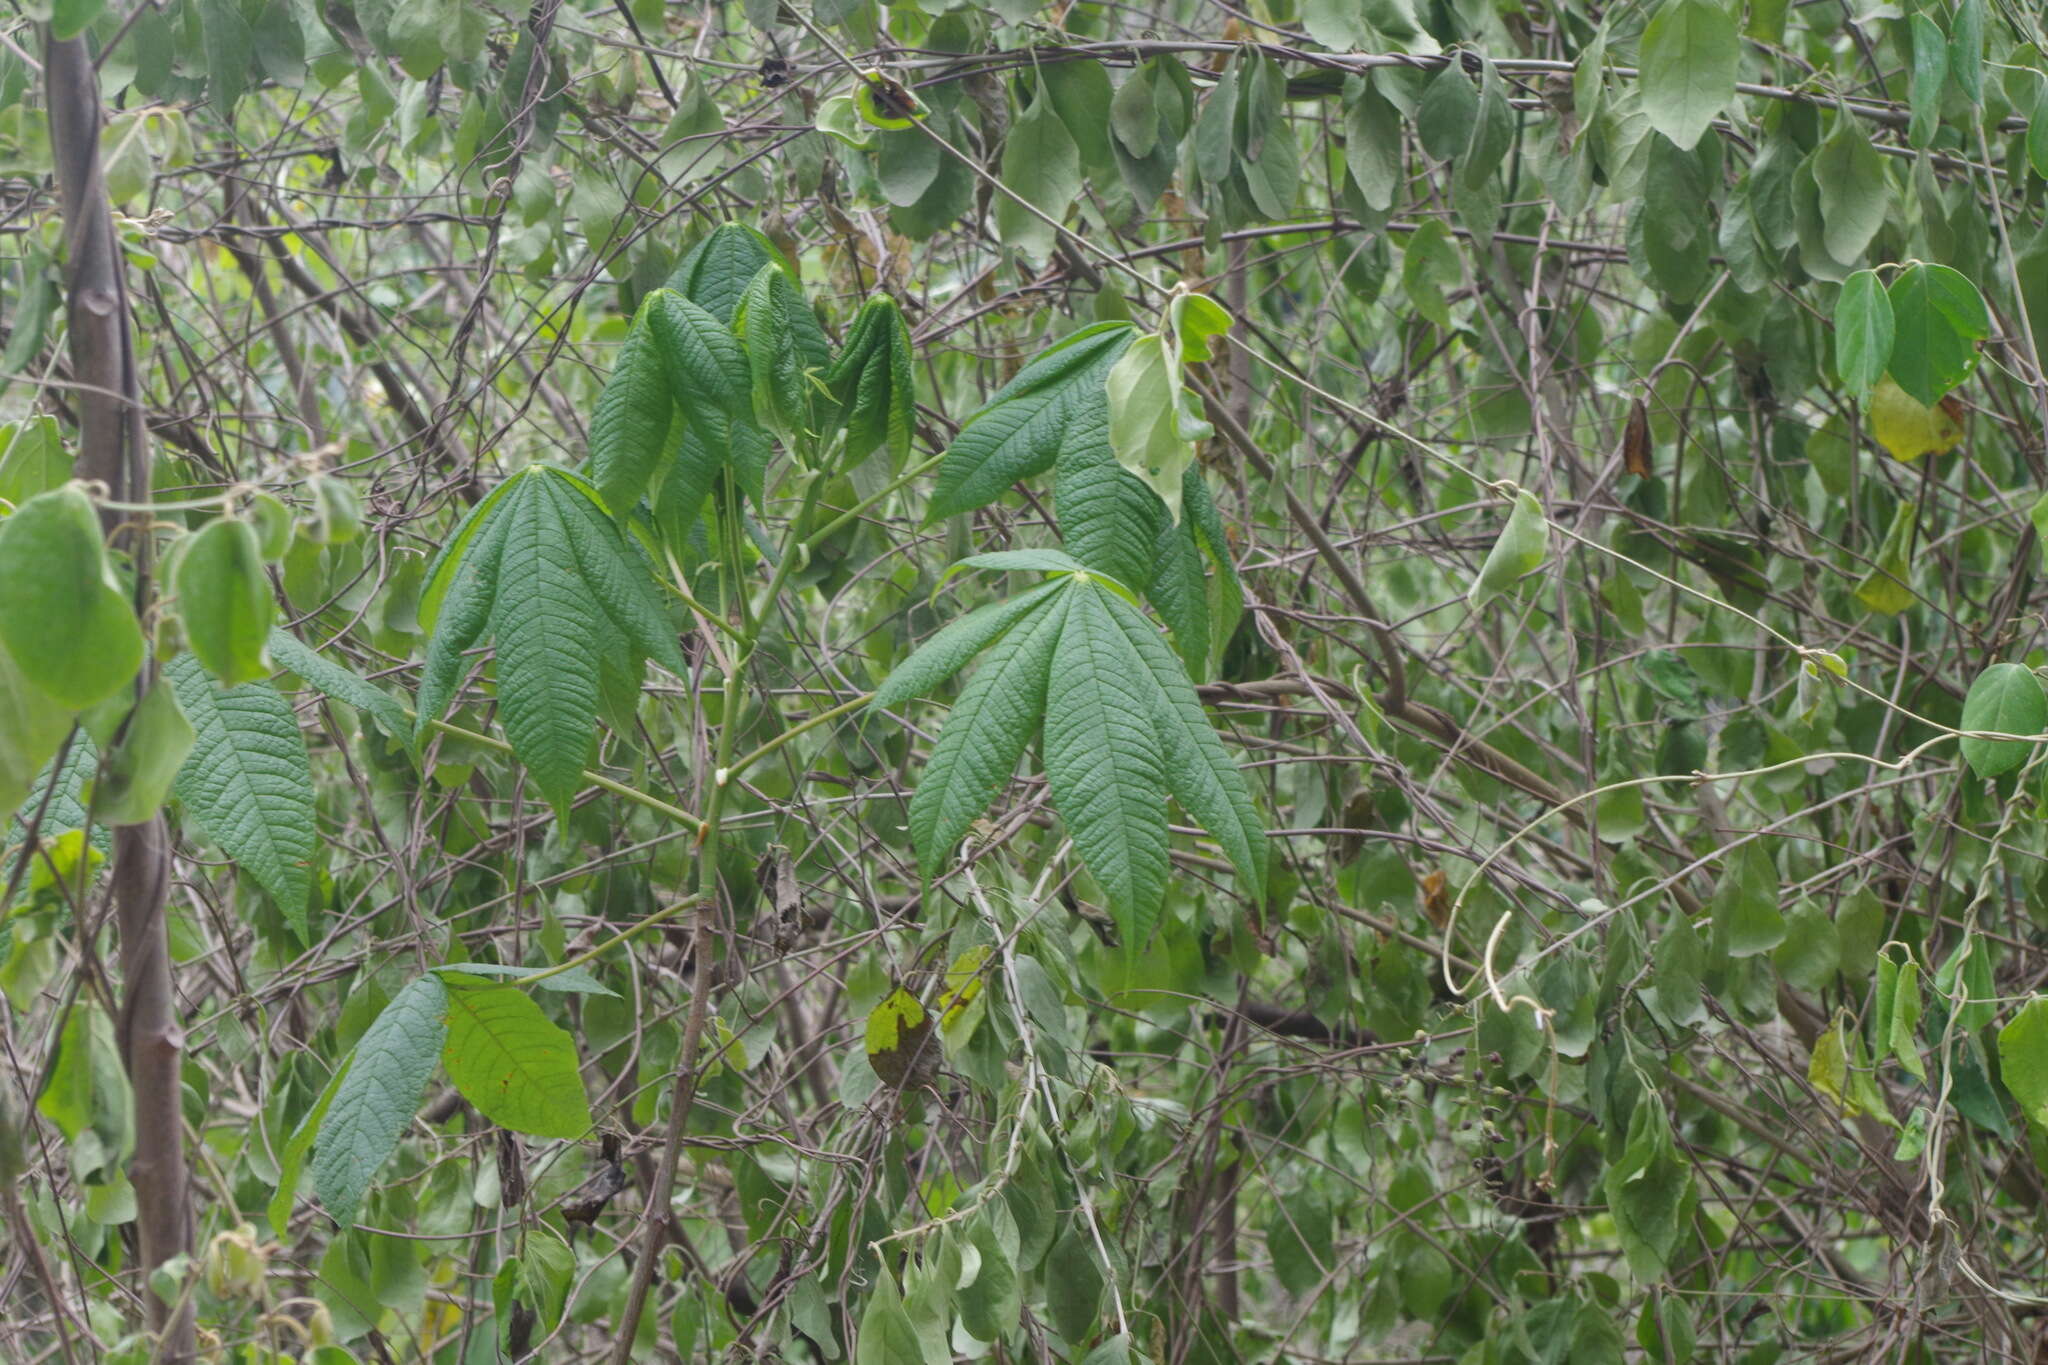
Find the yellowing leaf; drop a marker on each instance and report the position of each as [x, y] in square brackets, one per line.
[1906, 428]
[898, 1035]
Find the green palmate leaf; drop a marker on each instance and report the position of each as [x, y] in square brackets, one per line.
[1940, 318]
[248, 783]
[1199, 773]
[32, 729]
[784, 370]
[549, 578]
[996, 716]
[1105, 761]
[629, 429]
[340, 684]
[2023, 1059]
[1021, 431]
[949, 651]
[1688, 60]
[377, 1094]
[224, 601]
[2005, 699]
[71, 631]
[1042, 168]
[1863, 331]
[1523, 543]
[513, 1063]
[874, 385]
[153, 746]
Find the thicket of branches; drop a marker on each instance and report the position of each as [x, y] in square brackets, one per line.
[1485, 806]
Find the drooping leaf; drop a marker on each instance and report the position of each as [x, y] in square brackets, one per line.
[224, 601]
[1888, 585]
[1940, 318]
[514, 1063]
[71, 631]
[1649, 1191]
[2007, 699]
[1520, 550]
[874, 384]
[629, 429]
[153, 746]
[1908, 428]
[1863, 331]
[32, 729]
[2023, 1059]
[377, 1095]
[248, 782]
[1199, 772]
[1854, 197]
[1688, 60]
[1042, 169]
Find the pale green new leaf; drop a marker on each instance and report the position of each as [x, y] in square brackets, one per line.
[1105, 761]
[1147, 427]
[1688, 60]
[977, 751]
[377, 1095]
[248, 782]
[513, 1063]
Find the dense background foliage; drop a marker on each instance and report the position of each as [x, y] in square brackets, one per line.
[1603, 538]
